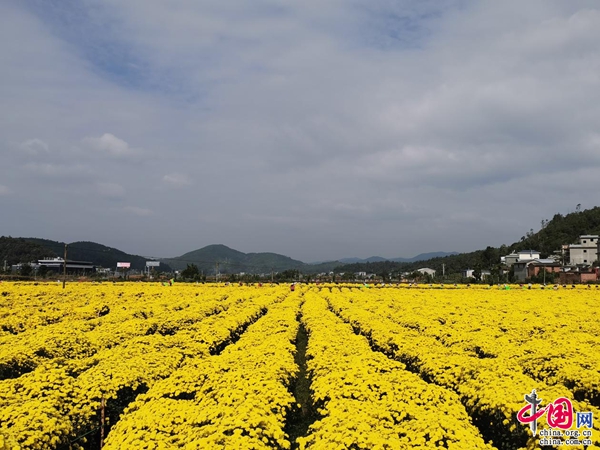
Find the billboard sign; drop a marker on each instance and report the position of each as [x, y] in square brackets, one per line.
[124, 265]
[152, 263]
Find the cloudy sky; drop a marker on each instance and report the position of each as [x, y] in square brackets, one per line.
[318, 129]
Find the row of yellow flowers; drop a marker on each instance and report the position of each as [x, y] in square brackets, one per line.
[111, 315]
[552, 336]
[59, 399]
[457, 343]
[454, 352]
[237, 399]
[368, 401]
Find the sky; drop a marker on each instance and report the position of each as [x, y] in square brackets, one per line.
[317, 129]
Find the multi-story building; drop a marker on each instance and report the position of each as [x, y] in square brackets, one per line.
[58, 265]
[523, 255]
[529, 268]
[585, 252]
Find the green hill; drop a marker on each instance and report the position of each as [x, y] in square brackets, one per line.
[16, 250]
[233, 261]
[98, 254]
[560, 230]
[19, 250]
[553, 233]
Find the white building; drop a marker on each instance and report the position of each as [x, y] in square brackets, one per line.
[526, 255]
[585, 252]
[468, 273]
[427, 270]
[58, 264]
[523, 255]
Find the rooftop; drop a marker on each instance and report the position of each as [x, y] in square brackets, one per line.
[546, 261]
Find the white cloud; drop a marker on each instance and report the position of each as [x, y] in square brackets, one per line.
[110, 145]
[177, 180]
[137, 211]
[379, 120]
[34, 146]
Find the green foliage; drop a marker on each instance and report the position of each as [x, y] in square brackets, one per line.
[561, 230]
[98, 254]
[477, 272]
[19, 250]
[548, 278]
[43, 271]
[191, 272]
[231, 261]
[288, 275]
[554, 233]
[26, 270]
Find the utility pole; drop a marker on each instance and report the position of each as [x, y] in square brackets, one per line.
[271, 275]
[443, 271]
[217, 272]
[65, 267]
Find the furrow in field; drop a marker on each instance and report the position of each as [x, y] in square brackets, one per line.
[368, 401]
[117, 320]
[50, 407]
[491, 389]
[550, 336]
[237, 399]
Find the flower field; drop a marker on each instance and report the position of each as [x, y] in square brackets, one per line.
[322, 367]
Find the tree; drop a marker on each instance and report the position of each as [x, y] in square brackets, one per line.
[416, 276]
[495, 273]
[490, 256]
[26, 270]
[543, 277]
[232, 278]
[43, 271]
[288, 275]
[385, 276]
[191, 272]
[477, 273]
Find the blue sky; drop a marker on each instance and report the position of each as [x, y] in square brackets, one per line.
[319, 130]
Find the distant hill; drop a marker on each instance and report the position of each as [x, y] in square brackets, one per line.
[364, 260]
[98, 254]
[18, 250]
[425, 256]
[233, 261]
[420, 257]
[562, 229]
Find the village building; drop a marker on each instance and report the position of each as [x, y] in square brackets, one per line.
[585, 252]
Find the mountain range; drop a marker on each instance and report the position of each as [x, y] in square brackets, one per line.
[419, 257]
[223, 259]
[23, 250]
[209, 259]
[553, 233]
